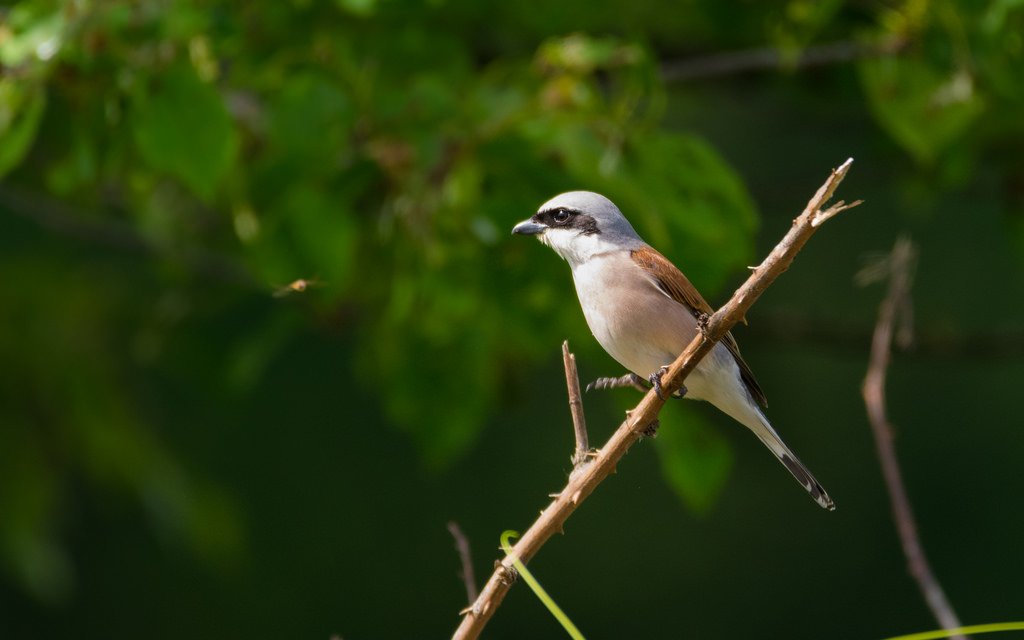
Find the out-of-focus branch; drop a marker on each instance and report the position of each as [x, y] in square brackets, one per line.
[63, 219]
[899, 266]
[584, 480]
[462, 546]
[838, 334]
[721, 64]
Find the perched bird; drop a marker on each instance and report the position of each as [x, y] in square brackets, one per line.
[644, 312]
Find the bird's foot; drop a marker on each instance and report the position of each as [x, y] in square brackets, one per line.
[656, 383]
[651, 430]
[508, 575]
[628, 380]
[702, 321]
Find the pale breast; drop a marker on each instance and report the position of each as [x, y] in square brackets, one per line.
[637, 324]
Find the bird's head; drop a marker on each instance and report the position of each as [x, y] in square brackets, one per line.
[579, 225]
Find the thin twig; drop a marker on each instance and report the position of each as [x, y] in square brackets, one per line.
[897, 302]
[581, 484]
[462, 545]
[579, 423]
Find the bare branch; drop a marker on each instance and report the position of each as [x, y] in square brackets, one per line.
[579, 423]
[462, 545]
[582, 483]
[897, 301]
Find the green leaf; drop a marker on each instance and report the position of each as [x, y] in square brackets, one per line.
[308, 233]
[325, 229]
[21, 109]
[695, 461]
[78, 167]
[182, 127]
[310, 122]
[923, 107]
[30, 502]
[31, 35]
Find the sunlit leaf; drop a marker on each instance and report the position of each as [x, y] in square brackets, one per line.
[31, 33]
[924, 107]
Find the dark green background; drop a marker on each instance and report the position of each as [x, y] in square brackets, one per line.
[182, 454]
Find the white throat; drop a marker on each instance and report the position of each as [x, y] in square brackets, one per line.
[575, 247]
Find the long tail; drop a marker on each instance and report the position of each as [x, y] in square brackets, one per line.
[721, 383]
[786, 456]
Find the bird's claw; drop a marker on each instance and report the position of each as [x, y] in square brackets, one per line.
[655, 380]
[628, 380]
[601, 383]
[702, 321]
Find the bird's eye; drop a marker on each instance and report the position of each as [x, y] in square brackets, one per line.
[560, 215]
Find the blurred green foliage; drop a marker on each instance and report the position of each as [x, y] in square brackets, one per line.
[384, 150]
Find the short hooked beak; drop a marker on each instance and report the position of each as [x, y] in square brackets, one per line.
[529, 228]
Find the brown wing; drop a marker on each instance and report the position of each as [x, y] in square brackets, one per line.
[672, 281]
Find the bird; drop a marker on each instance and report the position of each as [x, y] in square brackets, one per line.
[644, 312]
